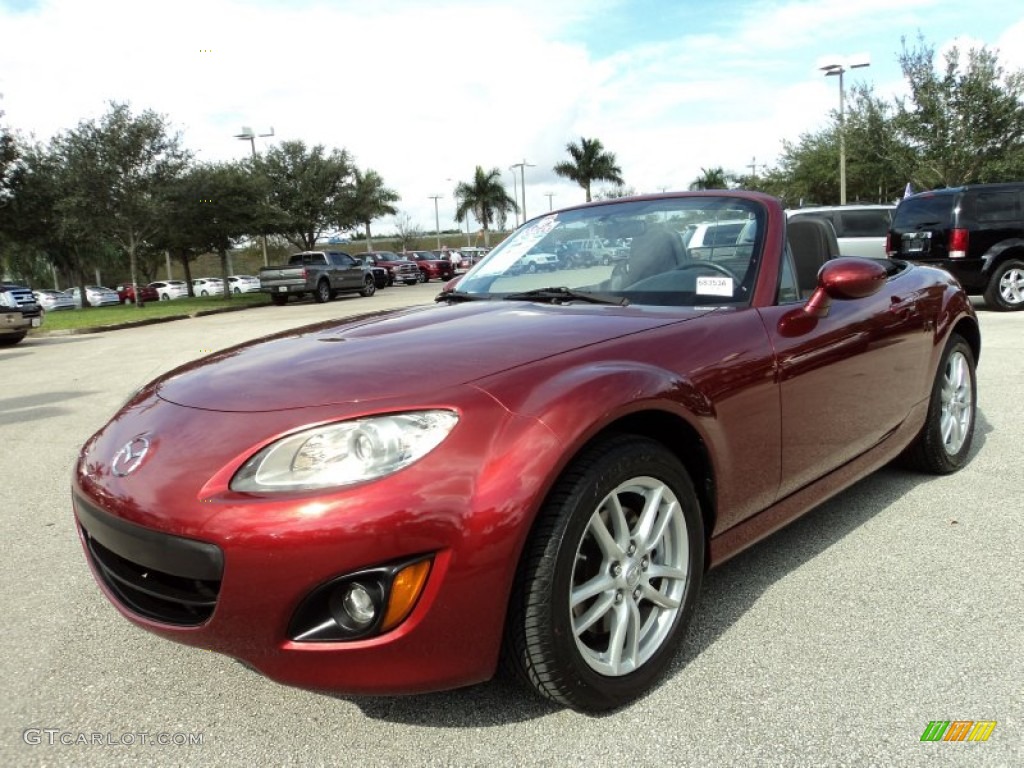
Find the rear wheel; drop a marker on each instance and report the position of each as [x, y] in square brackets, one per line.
[609, 577]
[1005, 290]
[945, 440]
[323, 292]
[279, 299]
[165, 297]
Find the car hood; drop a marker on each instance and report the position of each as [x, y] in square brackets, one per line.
[402, 354]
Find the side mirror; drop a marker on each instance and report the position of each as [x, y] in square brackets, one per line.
[847, 277]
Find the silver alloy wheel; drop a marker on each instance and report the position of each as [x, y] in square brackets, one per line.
[956, 398]
[629, 576]
[1011, 286]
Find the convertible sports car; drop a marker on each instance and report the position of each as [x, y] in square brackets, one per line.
[389, 507]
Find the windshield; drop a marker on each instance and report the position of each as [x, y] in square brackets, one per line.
[633, 250]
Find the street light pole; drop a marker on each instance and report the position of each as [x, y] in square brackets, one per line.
[437, 220]
[550, 195]
[515, 192]
[838, 69]
[522, 180]
[248, 134]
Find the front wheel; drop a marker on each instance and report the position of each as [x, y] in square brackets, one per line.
[945, 440]
[322, 294]
[424, 277]
[609, 577]
[1005, 291]
[204, 293]
[369, 287]
[165, 297]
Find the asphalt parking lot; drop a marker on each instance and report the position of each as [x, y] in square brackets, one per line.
[834, 642]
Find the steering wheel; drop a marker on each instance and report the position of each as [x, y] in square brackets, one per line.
[713, 266]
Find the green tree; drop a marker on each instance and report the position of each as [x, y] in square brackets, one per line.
[213, 206]
[590, 162]
[118, 170]
[486, 198]
[711, 178]
[310, 191]
[371, 200]
[963, 122]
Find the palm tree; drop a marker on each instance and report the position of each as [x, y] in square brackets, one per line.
[589, 163]
[372, 200]
[485, 197]
[711, 178]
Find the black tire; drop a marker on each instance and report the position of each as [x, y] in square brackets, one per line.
[279, 299]
[369, 287]
[410, 282]
[424, 277]
[165, 297]
[236, 291]
[9, 340]
[542, 646]
[531, 268]
[1005, 291]
[204, 293]
[322, 294]
[944, 442]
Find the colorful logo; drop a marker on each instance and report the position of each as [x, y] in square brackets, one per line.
[958, 730]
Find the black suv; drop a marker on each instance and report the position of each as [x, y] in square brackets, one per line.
[975, 232]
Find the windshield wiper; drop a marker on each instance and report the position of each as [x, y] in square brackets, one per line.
[560, 294]
[456, 296]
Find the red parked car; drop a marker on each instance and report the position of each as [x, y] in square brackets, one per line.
[431, 267]
[389, 507]
[127, 293]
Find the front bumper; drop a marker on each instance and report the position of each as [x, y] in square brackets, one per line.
[16, 321]
[182, 556]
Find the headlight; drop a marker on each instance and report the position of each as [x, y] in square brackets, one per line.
[7, 300]
[341, 454]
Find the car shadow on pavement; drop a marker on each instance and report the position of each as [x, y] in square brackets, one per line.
[728, 593]
[17, 410]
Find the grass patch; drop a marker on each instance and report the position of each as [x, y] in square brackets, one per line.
[97, 317]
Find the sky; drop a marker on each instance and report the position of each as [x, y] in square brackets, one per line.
[423, 91]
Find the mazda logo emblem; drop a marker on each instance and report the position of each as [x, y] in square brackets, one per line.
[128, 459]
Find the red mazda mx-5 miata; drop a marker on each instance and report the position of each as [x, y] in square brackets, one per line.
[383, 505]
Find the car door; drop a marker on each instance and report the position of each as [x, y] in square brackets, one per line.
[848, 379]
[348, 274]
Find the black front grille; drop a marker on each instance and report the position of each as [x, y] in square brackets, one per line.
[166, 578]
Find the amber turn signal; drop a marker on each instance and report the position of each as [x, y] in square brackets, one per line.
[405, 591]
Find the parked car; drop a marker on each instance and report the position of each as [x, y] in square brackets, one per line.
[861, 228]
[170, 289]
[244, 284]
[126, 293]
[95, 296]
[431, 267]
[19, 313]
[51, 301]
[976, 232]
[208, 286]
[556, 476]
[470, 255]
[539, 261]
[400, 269]
[324, 274]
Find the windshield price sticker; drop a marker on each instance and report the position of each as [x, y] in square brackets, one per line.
[715, 286]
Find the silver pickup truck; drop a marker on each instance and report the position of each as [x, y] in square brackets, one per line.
[324, 274]
[18, 313]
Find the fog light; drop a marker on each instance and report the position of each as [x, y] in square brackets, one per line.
[355, 605]
[359, 605]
